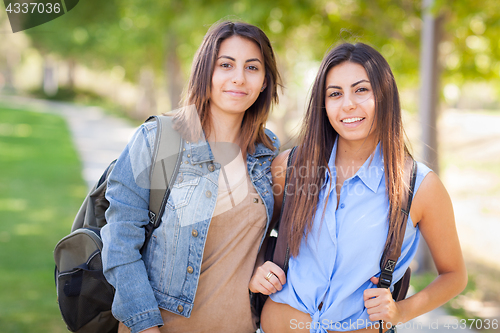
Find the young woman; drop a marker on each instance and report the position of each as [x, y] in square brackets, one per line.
[194, 273]
[353, 149]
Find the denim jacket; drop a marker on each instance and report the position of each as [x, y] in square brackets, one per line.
[166, 274]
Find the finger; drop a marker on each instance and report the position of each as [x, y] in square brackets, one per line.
[269, 287]
[372, 302]
[276, 270]
[375, 280]
[275, 282]
[370, 293]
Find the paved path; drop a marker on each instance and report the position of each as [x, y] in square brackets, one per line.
[100, 138]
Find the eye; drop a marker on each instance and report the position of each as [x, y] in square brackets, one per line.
[225, 65]
[362, 89]
[253, 68]
[335, 94]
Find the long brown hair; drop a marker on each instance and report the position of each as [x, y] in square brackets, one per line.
[317, 138]
[200, 83]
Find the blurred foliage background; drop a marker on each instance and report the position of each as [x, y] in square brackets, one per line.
[132, 58]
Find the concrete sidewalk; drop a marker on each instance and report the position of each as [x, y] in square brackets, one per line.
[99, 139]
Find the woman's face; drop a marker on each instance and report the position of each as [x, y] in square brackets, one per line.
[350, 103]
[238, 77]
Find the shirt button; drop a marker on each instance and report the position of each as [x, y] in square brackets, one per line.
[194, 233]
[342, 206]
[180, 308]
[190, 270]
[211, 167]
[255, 200]
[208, 194]
[189, 155]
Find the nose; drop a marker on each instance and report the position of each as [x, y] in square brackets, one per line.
[348, 103]
[238, 77]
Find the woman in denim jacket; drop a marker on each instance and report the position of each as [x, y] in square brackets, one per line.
[350, 162]
[194, 274]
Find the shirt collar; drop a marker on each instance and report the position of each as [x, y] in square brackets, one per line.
[370, 173]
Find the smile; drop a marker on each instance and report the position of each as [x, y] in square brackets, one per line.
[351, 120]
[235, 93]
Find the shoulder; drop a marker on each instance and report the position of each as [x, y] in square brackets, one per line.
[430, 193]
[274, 139]
[279, 165]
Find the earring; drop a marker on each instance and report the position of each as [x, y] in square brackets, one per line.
[263, 87]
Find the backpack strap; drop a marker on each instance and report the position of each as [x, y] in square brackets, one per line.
[392, 250]
[282, 250]
[165, 163]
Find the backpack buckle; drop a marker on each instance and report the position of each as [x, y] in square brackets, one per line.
[152, 217]
[385, 280]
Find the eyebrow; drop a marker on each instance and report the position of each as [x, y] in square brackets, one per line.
[352, 85]
[231, 58]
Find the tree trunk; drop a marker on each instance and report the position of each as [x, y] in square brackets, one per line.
[429, 99]
[146, 104]
[50, 82]
[173, 73]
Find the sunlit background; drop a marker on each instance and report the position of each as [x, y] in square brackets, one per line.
[121, 61]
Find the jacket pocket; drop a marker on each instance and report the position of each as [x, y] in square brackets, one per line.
[183, 189]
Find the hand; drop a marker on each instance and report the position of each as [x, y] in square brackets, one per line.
[259, 283]
[380, 305]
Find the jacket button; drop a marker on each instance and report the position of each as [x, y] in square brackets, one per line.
[208, 194]
[211, 167]
[189, 155]
[180, 179]
[180, 308]
[190, 270]
[274, 137]
[194, 233]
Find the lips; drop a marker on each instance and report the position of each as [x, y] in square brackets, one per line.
[352, 120]
[236, 93]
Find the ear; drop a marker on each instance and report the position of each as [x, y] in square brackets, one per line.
[264, 85]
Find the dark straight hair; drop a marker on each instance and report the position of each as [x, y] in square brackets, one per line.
[317, 137]
[200, 83]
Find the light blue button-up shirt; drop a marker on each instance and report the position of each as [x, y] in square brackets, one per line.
[342, 252]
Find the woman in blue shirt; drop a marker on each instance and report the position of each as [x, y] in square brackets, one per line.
[348, 172]
[199, 249]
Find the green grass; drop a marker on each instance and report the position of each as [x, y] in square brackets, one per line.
[41, 189]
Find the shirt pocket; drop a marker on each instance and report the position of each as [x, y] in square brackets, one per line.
[183, 189]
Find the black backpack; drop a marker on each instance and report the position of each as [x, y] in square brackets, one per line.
[278, 250]
[84, 295]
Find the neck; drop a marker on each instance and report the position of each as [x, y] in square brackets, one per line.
[225, 128]
[354, 152]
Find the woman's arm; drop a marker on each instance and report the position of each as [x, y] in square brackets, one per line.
[134, 302]
[432, 210]
[258, 282]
